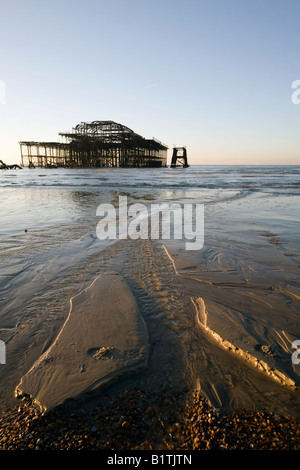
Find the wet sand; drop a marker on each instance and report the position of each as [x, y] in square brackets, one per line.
[220, 321]
[103, 339]
[227, 336]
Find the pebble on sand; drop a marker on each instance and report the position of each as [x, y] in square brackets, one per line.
[142, 421]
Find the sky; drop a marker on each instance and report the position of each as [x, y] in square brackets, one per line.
[212, 75]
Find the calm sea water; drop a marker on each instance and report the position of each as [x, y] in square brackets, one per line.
[240, 177]
[37, 198]
[44, 209]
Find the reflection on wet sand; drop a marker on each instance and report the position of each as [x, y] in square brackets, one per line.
[221, 319]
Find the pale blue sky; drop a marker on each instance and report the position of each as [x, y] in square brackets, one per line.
[213, 75]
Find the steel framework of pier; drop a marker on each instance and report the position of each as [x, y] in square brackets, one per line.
[96, 144]
[179, 157]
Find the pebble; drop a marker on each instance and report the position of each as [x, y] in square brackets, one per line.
[165, 421]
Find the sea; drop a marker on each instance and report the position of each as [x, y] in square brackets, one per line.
[247, 272]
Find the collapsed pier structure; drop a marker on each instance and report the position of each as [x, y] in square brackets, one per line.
[179, 157]
[95, 144]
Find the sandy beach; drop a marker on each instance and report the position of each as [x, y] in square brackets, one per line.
[103, 337]
[96, 331]
[150, 231]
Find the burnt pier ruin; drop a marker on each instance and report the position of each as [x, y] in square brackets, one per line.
[95, 144]
[179, 157]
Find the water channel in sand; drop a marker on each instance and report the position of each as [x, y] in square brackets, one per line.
[221, 319]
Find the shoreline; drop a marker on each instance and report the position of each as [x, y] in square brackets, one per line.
[220, 320]
[159, 324]
[140, 421]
